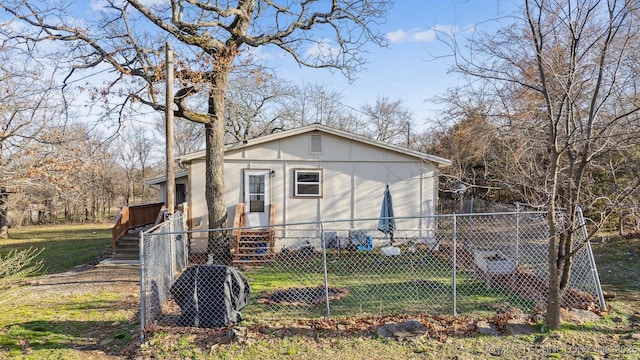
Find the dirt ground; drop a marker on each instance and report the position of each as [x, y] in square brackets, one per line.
[84, 279]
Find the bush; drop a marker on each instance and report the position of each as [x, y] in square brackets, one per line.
[18, 265]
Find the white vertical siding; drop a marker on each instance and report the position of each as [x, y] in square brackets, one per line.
[354, 178]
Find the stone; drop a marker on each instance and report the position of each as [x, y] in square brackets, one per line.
[578, 316]
[585, 315]
[487, 328]
[517, 328]
[407, 330]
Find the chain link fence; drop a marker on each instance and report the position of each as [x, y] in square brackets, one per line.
[163, 256]
[447, 264]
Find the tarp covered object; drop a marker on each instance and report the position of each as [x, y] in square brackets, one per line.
[210, 295]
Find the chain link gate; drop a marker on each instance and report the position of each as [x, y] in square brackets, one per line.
[163, 255]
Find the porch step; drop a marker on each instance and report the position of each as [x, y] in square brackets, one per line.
[254, 247]
[128, 248]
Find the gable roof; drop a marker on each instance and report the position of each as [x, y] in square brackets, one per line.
[438, 161]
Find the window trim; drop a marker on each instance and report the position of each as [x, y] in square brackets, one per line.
[319, 183]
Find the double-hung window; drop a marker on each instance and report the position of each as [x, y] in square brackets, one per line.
[308, 182]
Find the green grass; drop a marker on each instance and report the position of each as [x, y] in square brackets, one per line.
[618, 261]
[37, 324]
[377, 285]
[53, 326]
[64, 246]
[62, 322]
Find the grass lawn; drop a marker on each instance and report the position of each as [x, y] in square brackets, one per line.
[377, 285]
[70, 313]
[64, 246]
[613, 337]
[92, 314]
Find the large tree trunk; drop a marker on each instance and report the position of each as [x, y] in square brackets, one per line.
[218, 246]
[552, 318]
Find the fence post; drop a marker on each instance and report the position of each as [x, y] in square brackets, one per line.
[185, 240]
[453, 268]
[324, 269]
[143, 299]
[517, 237]
[592, 260]
[172, 246]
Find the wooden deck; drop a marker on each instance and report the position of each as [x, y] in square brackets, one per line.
[128, 224]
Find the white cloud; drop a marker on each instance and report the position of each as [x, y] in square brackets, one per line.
[323, 49]
[417, 35]
[412, 35]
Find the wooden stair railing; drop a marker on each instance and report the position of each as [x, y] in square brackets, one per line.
[132, 217]
[252, 246]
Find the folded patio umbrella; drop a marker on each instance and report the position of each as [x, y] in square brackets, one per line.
[387, 223]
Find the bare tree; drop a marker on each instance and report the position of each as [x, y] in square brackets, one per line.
[188, 136]
[467, 135]
[314, 103]
[142, 147]
[212, 37]
[566, 72]
[389, 121]
[615, 187]
[256, 103]
[31, 120]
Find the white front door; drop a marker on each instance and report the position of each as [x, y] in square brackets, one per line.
[256, 197]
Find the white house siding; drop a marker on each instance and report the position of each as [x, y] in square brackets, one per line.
[354, 178]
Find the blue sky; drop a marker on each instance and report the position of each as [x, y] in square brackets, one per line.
[410, 68]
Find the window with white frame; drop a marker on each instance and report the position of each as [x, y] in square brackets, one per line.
[308, 182]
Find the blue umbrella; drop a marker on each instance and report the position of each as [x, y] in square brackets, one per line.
[387, 223]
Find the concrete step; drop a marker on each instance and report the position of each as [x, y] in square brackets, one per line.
[125, 256]
[125, 246]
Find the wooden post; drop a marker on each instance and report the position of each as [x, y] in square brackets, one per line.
[171, 186]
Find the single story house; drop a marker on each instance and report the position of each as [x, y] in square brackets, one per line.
[310, 174]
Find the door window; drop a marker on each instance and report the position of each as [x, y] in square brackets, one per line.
[256, 193]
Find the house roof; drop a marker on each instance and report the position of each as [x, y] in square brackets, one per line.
[440, 162]
[163, 179]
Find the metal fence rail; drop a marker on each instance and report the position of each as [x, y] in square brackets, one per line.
[447, 264]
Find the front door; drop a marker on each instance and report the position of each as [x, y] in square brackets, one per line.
[256, 197]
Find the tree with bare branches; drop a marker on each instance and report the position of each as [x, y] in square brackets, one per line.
[31, 122]
[213, 39]
[256, 104]
[389, 121]
[565, 76]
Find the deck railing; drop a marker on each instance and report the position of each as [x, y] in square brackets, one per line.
[131, 217]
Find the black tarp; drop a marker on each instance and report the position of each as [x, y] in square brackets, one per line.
[210, 295]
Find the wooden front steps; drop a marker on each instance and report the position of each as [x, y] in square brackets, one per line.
[126, 227]
[128, 246]
[252, 247]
